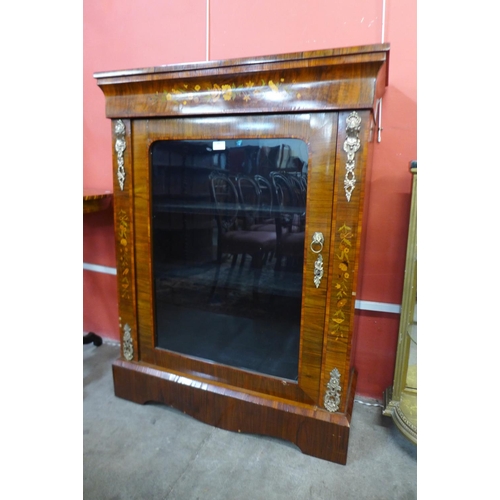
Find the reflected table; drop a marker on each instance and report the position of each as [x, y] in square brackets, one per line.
[95, 200]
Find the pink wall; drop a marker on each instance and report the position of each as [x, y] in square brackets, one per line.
[130, 34]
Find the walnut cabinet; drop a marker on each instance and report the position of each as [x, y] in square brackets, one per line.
[239, 189]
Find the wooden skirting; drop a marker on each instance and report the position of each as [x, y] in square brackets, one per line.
[315, 431]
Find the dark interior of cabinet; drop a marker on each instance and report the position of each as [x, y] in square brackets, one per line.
[228, 222]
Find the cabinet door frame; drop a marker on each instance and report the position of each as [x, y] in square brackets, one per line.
[319, 132]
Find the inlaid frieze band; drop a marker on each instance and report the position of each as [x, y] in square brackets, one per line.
[351, 146]
[333, 391]
[120, 146]
[127, 344]
[245, 92]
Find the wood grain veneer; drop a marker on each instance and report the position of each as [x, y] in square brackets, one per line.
[308, 96]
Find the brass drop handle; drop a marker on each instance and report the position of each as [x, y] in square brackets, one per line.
[318, 239]
[317, 247]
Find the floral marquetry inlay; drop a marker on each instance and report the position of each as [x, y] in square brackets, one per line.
[342, 283]
[123, 255]
[185, 94]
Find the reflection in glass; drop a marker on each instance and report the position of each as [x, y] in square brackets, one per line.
[228, 222]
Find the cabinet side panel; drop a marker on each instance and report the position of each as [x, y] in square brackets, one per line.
[124, 236]
[352, 157]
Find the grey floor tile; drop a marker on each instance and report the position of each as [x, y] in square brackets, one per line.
[151, 452]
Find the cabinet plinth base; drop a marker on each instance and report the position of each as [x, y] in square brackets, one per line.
[315, 431]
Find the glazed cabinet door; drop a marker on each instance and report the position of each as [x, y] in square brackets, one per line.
[237, 220]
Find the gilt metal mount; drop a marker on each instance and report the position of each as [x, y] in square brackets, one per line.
[127, 343]
[120, 147]
[333, 391]
[351, 146]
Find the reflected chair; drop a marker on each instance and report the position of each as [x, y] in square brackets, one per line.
[256, 205]
[268, 160]
[249, 197]
[266, 201]
[290, 221]
[299, 189]
[233, 236]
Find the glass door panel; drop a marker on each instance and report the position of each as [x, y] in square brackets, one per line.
[228, 226]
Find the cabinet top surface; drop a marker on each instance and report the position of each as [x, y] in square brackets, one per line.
[321, 80]
[363, 50]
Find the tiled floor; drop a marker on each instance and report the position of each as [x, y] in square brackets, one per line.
[154, 452]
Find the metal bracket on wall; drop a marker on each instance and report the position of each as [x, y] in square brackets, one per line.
[378, 119]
